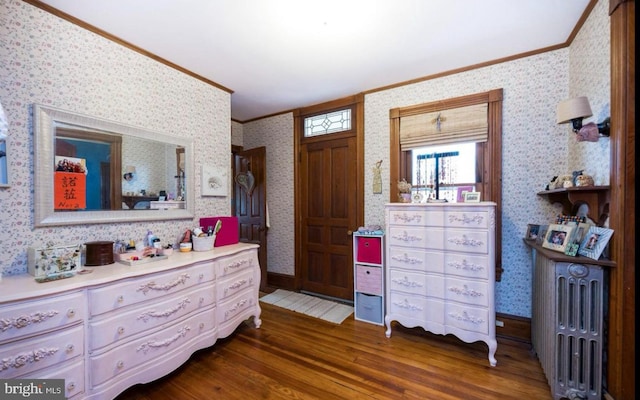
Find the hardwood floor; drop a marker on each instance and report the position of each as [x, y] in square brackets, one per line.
[293, 356]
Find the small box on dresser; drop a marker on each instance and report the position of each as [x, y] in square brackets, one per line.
[368, 256]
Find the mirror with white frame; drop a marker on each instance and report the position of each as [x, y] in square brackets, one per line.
[129, 173]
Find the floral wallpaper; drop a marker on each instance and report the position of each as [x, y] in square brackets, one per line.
[535, 148]
[47, 60]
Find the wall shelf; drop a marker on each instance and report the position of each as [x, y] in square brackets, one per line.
[595, 197]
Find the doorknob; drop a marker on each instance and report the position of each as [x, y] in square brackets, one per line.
[349, 233]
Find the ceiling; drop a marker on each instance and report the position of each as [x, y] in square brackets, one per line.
[278, 55]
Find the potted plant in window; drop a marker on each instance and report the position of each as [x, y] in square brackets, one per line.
[404, 191]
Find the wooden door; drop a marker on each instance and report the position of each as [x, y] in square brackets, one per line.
[328, 209]
[250, 204]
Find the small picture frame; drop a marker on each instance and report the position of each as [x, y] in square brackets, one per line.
[572, 249]
[461, 192]
[472, 197]
[533, 231]
[594, 242]
[558, 237]
[542, 232]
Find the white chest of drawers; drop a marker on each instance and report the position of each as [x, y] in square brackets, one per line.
[121, 325]
[441, 269]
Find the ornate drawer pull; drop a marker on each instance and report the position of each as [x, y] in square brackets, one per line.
[120, 330]
[466, 265]
[201, 300]
[71, 313]
[236, 264]
[120, 299]
[70, 348]
[71, 386]
[235, 285]
[120, 364]
[405, 237]
[236, 307]
[181, 305]
[466, 220]
[153, 286]
[465, 291]
[465, 317]
[201, 277]
[407, 218]
[407, 259]
[29, 357]
[146, 346]
[25, 320]
[465, 241]
[201, 325]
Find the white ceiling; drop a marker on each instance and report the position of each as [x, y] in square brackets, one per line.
[277, 55]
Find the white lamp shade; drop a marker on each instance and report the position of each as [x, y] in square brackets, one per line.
[577, 107]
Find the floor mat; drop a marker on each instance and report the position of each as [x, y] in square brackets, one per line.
[309, 305]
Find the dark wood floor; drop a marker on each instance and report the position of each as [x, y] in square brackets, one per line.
[293, 356]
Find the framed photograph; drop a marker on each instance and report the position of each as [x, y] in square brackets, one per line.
[594, 242]
[581, 231]
[558, 237]
[542, 232]
[461, 192]
[472, 197]
[532, 231]
[572, 249]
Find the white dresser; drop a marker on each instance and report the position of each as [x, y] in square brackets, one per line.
[441, 269]
[122, 325]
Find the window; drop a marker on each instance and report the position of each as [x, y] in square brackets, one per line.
[324, 124]
[488, 151]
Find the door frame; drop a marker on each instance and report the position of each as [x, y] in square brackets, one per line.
[298, 132]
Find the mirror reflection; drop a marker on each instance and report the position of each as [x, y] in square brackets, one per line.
[91, 170]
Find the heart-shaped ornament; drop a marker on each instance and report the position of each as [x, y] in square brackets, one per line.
[246, 180]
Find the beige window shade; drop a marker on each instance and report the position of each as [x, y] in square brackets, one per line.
[464, 124]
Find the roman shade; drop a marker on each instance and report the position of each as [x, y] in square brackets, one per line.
[455, 125]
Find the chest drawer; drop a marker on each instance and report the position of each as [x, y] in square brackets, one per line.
[236, 283]
[467, 219]
[135, 290]
[28, 355]
[176, 337]
[416, 283]
[237, 263]
[416, 309]
[467, 265]
[72, 372]
[111, 329]
[467, 291]
[474, 319]
[35, 316]
[416, 259]
[415, 218]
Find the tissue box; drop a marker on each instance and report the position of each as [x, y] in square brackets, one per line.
[54, 262]
[228, 233]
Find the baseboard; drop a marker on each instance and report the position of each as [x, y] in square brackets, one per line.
[281, 281]
[514, 328]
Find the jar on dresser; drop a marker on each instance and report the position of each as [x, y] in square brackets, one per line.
[441, 269]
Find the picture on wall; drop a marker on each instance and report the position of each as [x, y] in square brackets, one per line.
[214, 181]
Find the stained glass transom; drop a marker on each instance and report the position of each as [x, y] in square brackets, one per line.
[323, 124]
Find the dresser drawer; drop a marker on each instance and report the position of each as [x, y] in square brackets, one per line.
[132, 291]
[369, 279]
[232, 311]
[29, 317]
[467, 219]
[416, 308]
[466, 265]
[467, 291]
[236, 283]
[110, 329]
[416, 259]
[118, 361]
[417, 283]
[416, 237]
[237, 263]
[71, 371]
[474, 319]
[415, 218]
[28, 355]
[467, 241]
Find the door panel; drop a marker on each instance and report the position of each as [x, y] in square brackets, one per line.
[250, 206]
[328, 179]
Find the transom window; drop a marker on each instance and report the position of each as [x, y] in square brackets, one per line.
[323, 124]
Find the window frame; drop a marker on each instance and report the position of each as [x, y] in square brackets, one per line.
[488, 157]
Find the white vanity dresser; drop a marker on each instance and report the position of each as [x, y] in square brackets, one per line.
[121, 325]
[440, 262]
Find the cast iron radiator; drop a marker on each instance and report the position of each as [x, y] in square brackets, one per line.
[566, 326]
